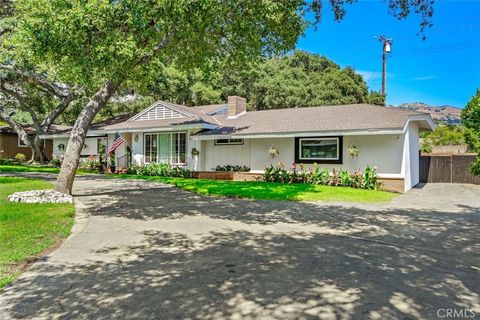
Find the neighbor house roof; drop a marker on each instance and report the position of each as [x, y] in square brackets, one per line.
[93, 129]
[54, 129]
[313, 119]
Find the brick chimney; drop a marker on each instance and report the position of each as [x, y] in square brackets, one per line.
[236, 106]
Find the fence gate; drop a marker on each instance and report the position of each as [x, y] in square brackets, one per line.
[447, 168]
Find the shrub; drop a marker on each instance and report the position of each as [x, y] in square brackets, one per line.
[234, 168]
[160, 170]
[370, 179]
[5, 161]
[319, 176]
[367, 179]
[56, 162]
[20, 157]
[91, 162]
[357, 180]
[334, 179]
[426, 147]
[345, 178]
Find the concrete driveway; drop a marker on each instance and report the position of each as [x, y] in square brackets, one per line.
[150, 251]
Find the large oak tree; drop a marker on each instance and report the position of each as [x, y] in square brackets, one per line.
[33, 95]
[101, 45]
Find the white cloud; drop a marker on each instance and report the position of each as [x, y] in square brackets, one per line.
[369, 75]
[424, 78]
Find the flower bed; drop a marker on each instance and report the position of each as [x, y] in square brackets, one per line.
[366, 179]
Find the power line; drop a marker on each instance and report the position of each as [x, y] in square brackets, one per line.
[436, 50]
[449, 47]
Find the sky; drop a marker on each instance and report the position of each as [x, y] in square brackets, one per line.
[443, 69]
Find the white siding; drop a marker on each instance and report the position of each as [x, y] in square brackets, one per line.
[137, 148]
[382, 151]
[411, 161]
[260, 157]
[90, 147]
[56, 143]
[213, 155]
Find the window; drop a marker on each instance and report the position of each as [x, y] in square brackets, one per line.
[220, 142]
[318, 149]
[165, 147]
[21, 143]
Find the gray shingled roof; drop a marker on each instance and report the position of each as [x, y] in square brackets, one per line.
[155, 123]
[211, 108]
[311, 119]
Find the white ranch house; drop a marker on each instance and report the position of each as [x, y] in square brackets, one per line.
[386, 138]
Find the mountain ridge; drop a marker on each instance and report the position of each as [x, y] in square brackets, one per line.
[444, 114]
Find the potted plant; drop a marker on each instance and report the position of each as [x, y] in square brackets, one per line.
[101, 160]
[112, 162]
[353, 150]
[273, 152]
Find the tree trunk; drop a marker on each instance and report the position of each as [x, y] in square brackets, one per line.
[78, 134]
[38, 150]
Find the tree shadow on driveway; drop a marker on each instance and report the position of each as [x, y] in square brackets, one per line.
[286, 261]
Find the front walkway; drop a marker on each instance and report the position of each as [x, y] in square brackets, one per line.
[152, 251]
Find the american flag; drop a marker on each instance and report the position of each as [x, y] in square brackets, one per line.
[116, 142]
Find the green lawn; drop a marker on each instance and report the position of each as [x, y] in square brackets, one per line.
[28, 229]
[251, 190]
[26, 168]
[271, 190]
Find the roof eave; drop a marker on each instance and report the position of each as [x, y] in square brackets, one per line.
[90, 133]
[425, 121]
[326, 133]
[162, 128]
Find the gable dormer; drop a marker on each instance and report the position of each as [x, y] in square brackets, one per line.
[160, 111]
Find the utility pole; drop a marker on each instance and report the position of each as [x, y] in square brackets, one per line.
[387, 48]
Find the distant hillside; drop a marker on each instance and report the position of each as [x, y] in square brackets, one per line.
[445, 114]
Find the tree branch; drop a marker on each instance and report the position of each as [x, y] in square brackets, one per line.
[21, 103]
[53, 115]
[54, 88]
[20, 130]
[147, 57]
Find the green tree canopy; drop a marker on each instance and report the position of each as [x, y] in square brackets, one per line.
[471, 121]
[299, 79]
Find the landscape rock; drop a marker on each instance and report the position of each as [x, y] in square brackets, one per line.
[40, 196]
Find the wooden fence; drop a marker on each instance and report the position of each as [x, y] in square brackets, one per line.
[447, 168]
